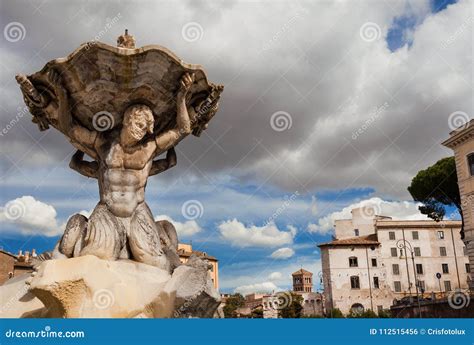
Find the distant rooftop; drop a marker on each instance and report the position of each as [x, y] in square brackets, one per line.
[301, 271]
[353, 241]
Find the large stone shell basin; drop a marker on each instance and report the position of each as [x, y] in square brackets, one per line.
[100, 78]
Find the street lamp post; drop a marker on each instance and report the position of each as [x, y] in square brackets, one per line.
[404, 244]
[438, 276]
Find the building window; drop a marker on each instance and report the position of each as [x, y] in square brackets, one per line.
[417, 251]
[376, 282]
[396, 269]
[445, 268]
[397, 286]
[353, 262]
[447, 285]
[442, 251]
[356, 232]
[393, 252]
[391, 235]
[374, 262]
[355, 284]
[414, 235]
[441, 235]
[357, 308]
[421, 285]
[419, 268]
[468, 268]
[470, 162]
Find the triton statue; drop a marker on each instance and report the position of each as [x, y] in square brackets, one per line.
[123, 107]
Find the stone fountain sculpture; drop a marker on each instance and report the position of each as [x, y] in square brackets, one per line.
[123, 107]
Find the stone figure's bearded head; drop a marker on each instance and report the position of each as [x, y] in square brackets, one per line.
[137, 122]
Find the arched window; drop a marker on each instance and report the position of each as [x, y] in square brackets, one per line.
[357, 308]
[470, 163]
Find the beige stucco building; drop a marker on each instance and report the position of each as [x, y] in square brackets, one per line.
[369, 263]
[461, 141]
[267, 303]
[186, 250]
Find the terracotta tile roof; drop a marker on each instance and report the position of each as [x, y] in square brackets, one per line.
[431, 224]
[353, 241]
[8, 253]
[301, 271]
[198, 253]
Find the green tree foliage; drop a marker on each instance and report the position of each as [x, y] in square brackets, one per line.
[294, 309]
[257, 313]
[335, 313]
[366, 314]
[437, 187]
[385, 314]
[233, 302]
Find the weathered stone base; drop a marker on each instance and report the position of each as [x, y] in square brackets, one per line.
[88, 287]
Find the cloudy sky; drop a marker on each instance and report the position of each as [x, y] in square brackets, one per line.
[327, 105]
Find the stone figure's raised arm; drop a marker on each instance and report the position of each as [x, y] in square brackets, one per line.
[161, 165]
[183, 123]
[80, 136]
[83, 167]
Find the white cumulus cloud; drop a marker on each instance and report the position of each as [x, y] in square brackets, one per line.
[265, 287]
[283, 253]
[186, 229]
[274, 276]
[402, 210]
[29, 216]
[255, 236]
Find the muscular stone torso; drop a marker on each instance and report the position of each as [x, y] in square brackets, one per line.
[123, 176]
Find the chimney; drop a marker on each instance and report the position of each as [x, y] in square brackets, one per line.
[33, 253]
[27, 256]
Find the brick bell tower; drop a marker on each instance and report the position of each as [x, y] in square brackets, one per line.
[302, 281]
